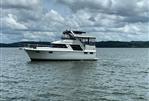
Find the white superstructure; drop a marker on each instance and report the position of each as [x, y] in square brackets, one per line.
[75, 45]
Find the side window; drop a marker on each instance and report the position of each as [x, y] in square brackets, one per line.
[59, 46]
[76, 47]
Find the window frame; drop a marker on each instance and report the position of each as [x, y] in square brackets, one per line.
[76, 47]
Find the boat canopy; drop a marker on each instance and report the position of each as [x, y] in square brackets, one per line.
[75, 32]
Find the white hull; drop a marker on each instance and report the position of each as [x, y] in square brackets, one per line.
[60, 55]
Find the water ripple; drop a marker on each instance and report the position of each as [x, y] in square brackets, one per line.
[118, 75]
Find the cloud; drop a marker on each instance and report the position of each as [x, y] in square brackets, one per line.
[3, 38]
[120, 7]
[40, 36]
[106, 19]
[10, 22]
[19, 4]
[52, 20]
[122, 18]
[76, 5]
[53, 15]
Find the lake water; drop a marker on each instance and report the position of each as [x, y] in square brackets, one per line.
[120, 74]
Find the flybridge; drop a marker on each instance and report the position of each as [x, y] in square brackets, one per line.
[80, 36]
[76, 34]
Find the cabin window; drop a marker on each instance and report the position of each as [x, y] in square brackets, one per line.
[92, 41]
[59, 46]
[88, 41]
[91, 52]
[50, 52]
[85, 53]
[76, 47]
[67, 36]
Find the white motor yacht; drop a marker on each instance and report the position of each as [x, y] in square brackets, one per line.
[74, 45]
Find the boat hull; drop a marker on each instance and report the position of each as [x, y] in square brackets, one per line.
[60, 55]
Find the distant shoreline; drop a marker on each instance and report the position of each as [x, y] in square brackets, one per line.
[100, 44]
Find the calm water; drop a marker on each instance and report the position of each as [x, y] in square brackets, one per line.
[118, 75]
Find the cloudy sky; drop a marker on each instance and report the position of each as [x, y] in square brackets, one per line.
[44, 20]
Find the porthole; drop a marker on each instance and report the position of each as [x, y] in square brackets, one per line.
[50, 52]
[85, 53]
[91, 52]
